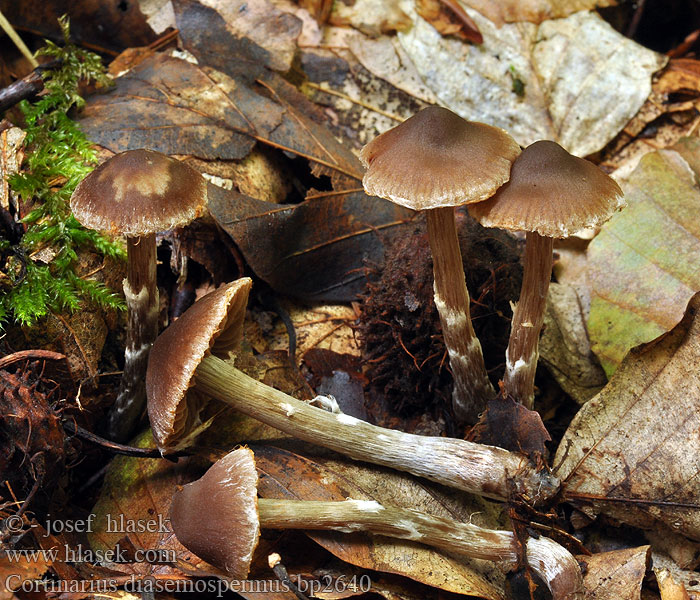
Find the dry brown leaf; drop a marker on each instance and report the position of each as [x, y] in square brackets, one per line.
[637, 442]
[669, 114]
[259, 21]
[21, 569]
[110, 26]
[361, 104]
[137, 491]
[565, 348]
[174, 106]
[80, 336]
[316, 250]
[449, 18]
[324, 326]
[535, 11]
[178, 107]
[615, 575]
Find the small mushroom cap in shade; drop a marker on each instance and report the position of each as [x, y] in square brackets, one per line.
[551, 192]
[212, 324]
[139, 192]
[216, 517]
[437, 159]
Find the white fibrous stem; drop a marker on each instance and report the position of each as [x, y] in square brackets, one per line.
[554, 564]
[522, 353]
[477, 468]
[472, 388]
[141, 293]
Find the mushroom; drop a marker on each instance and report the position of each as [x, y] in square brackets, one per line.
[219, 516]
[551, 194]
[136, 194]
[433, 162]
[187, 365]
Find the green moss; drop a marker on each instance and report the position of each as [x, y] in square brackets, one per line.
[58, 157]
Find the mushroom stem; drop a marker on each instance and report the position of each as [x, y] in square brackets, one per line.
[553, 563]
[141, 294]
[528, 317]
[472, 388]
[477, 468]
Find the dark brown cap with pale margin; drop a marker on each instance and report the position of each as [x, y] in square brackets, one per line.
[437, 159]
[139, 192]
[551, 192]
[213, 324]
[216, 517]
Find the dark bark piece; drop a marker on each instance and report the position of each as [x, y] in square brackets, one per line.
[22, 89]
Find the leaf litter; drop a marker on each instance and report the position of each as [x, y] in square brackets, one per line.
[221, 109]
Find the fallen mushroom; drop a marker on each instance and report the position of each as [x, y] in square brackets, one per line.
[433, 162]
[187, 365]
[550, 194]
[219, 516]
[136, 194]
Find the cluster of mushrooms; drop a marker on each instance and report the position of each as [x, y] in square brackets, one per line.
[544, 191]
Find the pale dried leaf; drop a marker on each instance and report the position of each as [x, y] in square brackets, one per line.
[684, 553]
[583, 81]
[565, 348]
[535, 11]
[669, 588]
[363, 104]
[328, 327]
[159, 14]
[386, 58]
[637, 441]
[372, 17]
[11, 156]
[688, 578]
[616, 575]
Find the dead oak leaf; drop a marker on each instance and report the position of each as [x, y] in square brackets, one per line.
[616, 575]
[177, 107]
[173, 106]
[633, 451]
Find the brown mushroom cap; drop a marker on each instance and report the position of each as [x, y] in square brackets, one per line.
[216, 517]
[139, 192]
[551, 192]
[212, 324]
[437, 159]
